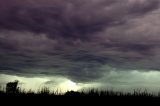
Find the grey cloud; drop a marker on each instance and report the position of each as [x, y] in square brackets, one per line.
[70, 19]
[77, 38]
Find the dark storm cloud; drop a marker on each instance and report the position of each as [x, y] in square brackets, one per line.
[69, 19]
[57, 18]
[76, 38]
[144, 49]
[86, 57]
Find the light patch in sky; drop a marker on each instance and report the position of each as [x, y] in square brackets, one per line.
[69, 85]
[53, 83]
[131, 80]
[115, 80]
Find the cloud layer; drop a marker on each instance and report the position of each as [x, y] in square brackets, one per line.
[76, 39]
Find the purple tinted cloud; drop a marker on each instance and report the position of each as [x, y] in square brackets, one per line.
[75, 38]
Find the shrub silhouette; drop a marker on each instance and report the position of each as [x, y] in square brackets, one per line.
[44, 91]
[73, 93]
[12, 87]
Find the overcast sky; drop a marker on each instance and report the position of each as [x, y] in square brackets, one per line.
[82, 43]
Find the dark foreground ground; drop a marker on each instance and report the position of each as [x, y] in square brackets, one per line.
[80, 98]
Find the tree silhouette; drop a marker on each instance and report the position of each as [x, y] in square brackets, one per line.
[12, 87]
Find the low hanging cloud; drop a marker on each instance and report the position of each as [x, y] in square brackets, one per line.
[76, 38]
